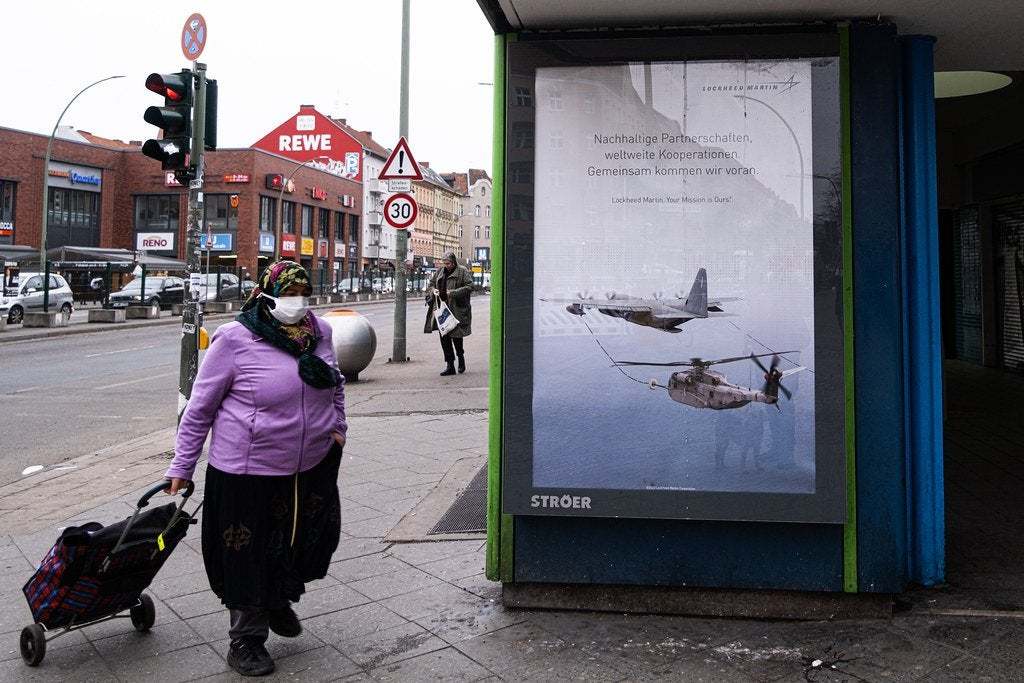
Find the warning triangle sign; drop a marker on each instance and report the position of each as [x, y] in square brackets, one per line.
[401, 164]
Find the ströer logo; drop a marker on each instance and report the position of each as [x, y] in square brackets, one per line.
[564, 501]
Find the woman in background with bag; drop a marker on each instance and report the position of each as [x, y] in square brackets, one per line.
[451, 287]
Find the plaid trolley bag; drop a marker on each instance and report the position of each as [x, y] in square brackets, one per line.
[94, 572]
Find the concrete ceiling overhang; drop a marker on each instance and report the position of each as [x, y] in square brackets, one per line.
[979, 35]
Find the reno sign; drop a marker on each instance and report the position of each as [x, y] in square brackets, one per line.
[311, 136]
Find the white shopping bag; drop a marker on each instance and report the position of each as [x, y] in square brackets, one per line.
[446, 322]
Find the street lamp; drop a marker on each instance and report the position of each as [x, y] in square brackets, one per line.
[280, 203]
[46, 189]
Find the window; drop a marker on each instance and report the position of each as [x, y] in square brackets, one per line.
[325, 224]
[487, 211]
[523, 97]
[460, 232]
[476, 232]
[35, 282]
[487, 232]
[268, 214]
[476, 210]
[307, 221]
[218, 214]
[483, 191]
[556, 100]
[156, 213]
[339, 226]
[73, 217]
[288, 217]
[353, 228]
[7, 211]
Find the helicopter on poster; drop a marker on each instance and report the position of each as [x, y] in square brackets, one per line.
[701, 387]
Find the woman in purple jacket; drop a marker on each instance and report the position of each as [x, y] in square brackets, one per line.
[270, 389]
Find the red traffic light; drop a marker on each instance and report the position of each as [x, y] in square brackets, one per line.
[175, 88]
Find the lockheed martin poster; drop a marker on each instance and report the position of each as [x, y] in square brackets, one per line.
[674, 280]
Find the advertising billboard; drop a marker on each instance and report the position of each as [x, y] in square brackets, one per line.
[312, 137]
[677, 311]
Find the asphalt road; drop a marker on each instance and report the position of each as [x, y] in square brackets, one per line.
[67, 396]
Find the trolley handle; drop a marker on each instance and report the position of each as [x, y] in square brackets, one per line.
[162, 486]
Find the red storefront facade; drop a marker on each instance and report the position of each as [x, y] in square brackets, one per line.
[105, 193]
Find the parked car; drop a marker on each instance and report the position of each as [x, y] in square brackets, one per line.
[27, 295]
[228, 287]
[160, 291]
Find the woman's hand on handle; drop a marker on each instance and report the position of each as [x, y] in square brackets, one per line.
[174, 485]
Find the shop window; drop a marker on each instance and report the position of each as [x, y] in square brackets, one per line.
[157, 213]
[218, 214]
[7, 188]
[268, 214]
[307, 221]
[325, 224]
[73, 217]
[288, 218]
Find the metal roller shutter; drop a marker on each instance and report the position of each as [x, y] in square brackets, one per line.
[1009, 224]
[967, 285]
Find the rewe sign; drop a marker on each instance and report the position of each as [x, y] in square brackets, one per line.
[309, 135]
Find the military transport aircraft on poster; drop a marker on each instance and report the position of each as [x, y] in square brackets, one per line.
[659, 312]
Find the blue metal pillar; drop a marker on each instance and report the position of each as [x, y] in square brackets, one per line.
[923, 332]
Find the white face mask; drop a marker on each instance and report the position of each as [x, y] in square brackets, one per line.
[288, 309]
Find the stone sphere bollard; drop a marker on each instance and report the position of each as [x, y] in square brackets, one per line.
[354, 339]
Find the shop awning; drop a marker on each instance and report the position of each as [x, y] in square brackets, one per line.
[13, 253]
[93, 257]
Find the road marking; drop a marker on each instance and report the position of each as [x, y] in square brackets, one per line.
[108, 353]
[22, 391]
[135, 381]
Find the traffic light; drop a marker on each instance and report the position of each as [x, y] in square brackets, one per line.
[173, 148]
[210, 132]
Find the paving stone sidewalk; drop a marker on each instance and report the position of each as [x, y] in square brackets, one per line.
[423, 610]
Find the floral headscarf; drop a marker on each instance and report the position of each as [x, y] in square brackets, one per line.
[299, 339]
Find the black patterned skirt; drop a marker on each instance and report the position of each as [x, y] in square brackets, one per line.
[257, 551]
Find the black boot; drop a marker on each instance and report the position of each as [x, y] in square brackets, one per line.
[450, 370]
[462, 364]
[284, 622]
[249, 657]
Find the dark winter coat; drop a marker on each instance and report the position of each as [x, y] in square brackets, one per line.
[459, 286]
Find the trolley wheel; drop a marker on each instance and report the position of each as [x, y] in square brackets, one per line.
[33, 644]
[144, 614]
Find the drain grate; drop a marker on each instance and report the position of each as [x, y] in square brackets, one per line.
[468, 514]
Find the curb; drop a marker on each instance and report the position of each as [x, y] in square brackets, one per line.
[86, 328]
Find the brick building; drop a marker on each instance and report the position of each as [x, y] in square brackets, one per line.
[105, 193]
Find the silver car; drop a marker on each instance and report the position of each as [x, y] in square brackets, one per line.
[27, 295]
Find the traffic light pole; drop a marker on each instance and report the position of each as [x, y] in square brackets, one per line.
[192, 315]
[402, 236]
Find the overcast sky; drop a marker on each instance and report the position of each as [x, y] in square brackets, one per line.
[343, 56]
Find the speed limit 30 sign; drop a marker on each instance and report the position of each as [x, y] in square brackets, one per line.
[400, 210]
